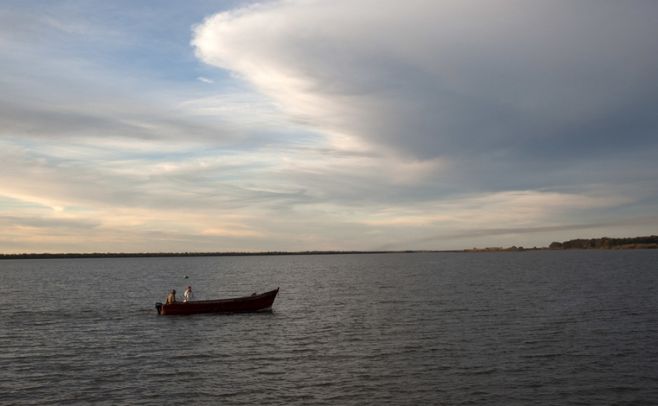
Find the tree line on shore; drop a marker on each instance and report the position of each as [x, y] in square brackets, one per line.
[607, 243]
[183, 254]
[580, 243]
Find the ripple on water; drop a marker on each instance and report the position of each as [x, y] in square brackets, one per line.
[513, 328]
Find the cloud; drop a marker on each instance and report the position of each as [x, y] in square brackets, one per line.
[547, 82]
[48, 223]
[205, 80]
[98, 106]
[330, 125]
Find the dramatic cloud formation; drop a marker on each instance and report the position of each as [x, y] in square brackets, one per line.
[294, 125]
[500, 80]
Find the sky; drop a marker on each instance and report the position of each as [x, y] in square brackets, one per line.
[196, 126]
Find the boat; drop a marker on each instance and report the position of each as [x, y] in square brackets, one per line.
[255, 303]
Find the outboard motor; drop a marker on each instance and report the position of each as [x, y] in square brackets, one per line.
[158, 306]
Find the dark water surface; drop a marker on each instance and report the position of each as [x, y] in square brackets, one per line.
[541, 328]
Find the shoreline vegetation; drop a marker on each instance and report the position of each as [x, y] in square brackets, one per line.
[604, 243]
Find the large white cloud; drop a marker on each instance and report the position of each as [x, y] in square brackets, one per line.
[544, 79]
[433, 125]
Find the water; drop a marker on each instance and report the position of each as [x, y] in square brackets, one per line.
[541, 328]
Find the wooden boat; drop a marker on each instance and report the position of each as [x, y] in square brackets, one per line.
[254, 303]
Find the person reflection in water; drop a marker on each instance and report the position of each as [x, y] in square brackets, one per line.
[187, 296]
[171, 297]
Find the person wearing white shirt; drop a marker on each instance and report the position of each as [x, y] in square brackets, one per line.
[187, 296]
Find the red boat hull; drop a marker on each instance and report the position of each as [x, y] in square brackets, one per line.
[253, 303]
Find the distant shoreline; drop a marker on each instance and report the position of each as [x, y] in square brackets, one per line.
[200, 254]
[604, 243]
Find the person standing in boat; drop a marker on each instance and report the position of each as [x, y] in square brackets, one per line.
[171, 297]
[187, 296]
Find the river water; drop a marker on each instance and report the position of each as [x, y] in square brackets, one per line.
[541, 328]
